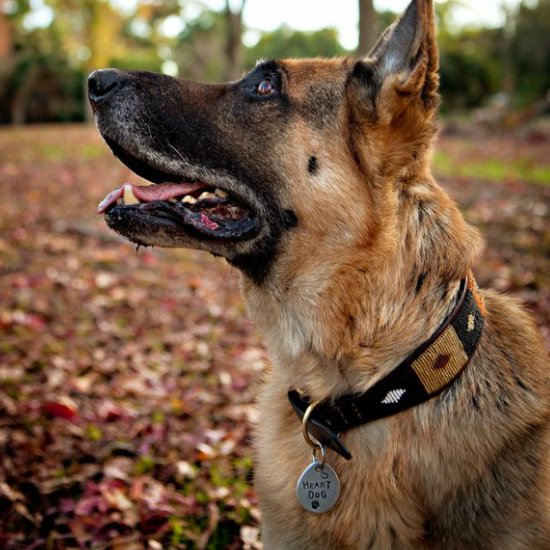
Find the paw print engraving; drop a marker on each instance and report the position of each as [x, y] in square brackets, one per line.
[315, 504]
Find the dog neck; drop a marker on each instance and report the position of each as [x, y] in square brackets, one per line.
[347, 319]
[424, 374]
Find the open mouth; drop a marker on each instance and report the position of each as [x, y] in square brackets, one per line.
[194, 208]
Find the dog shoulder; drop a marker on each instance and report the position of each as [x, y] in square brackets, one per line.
[512, 332]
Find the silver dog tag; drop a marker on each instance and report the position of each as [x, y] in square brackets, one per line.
[318, 488]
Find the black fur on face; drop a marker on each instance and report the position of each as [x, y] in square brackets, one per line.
[312, 165]
[224, 136]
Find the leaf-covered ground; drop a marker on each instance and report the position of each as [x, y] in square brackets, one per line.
[127, 379]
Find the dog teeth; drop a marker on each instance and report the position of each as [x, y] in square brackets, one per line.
[220, 193]
[128, 196]
[188, 199]
[207, 195]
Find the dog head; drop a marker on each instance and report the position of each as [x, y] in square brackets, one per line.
[297, 152]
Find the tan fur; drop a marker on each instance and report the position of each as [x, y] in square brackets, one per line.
[340, 317]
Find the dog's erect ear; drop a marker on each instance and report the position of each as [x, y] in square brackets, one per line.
[404, 63]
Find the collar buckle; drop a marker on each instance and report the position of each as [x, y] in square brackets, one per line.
[317, 426]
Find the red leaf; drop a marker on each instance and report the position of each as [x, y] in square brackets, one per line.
[59, 409]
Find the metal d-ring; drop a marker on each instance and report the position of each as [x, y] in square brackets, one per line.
[313, 444]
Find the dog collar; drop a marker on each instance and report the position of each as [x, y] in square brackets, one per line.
[428, 371]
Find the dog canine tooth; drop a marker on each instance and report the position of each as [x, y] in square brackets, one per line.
[188, 199]
[128, 196]
[220, 193]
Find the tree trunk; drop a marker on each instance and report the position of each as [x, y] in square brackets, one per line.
[508, 76]
[6, 37]
[367, 27]
[20, 102]
[102, 26]
[233, 44]
[88, 114]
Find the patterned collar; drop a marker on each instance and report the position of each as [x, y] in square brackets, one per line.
[427, 372]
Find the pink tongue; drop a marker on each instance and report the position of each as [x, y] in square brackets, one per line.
[150, 193]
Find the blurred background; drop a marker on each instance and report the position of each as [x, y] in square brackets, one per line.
[127, 378]
[495, 54]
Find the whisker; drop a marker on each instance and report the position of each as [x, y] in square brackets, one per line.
[179, 154]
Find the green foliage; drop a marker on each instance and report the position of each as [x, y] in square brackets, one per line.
[144, 465]
[286, 42]
[139, 59]
[531, 51]
[470, 67]
[491, 169]
[44, 78]
[41, 77]
[93, 432]
[199, 52]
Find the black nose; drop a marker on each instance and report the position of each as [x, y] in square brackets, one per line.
[104, 82]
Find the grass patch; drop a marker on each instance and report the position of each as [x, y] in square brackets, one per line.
[541, 174]
[52, 151]
[491, 169]
[57, 152]
[90, 152]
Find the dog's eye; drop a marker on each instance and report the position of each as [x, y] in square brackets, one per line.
[265, 87]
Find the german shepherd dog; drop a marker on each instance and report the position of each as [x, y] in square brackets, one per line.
[312, 177]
